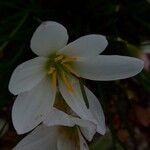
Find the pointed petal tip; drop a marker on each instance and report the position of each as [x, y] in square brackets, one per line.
[20, 129]
[101, 131]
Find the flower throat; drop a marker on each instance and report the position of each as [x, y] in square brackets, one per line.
[62, 66]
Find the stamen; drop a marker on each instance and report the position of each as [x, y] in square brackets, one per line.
[68, 59]
[54, 79]
[59, 65]
[51, 70]
[66, 82]
[68, 67]
[59, 58]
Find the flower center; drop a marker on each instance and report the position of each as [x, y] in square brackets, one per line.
[71, 133]
[61, 65]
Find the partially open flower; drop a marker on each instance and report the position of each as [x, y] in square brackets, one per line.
[58, 66]
[62, 132]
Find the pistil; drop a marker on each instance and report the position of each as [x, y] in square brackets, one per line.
[61, 65]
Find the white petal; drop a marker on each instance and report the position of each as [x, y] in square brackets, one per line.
[88, 128]
[49, 37]
[83, 144]
[42, 138]
[68, 142]
[31, 107]
[107, 68]
[89, 45]
[97, 111]
[27, 75]
[75, 99]
[57, 117]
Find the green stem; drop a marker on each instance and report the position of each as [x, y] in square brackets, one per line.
[3, 127]
[84, 93]
[13, 33]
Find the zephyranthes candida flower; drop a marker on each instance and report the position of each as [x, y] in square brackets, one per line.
[62, 132]
[29, 116]
[57, 67]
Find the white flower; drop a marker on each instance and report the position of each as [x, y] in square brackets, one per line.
[58, 64]
[62, 132]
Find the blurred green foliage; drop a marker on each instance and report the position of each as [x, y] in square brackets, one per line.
[126, 20]
[104, 143]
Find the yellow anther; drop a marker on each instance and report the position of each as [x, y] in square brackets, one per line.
[59, 58]
[51, 70]
[60, 66]
[66, 82]
[54, 79]
[69, 68]
[68, 59]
